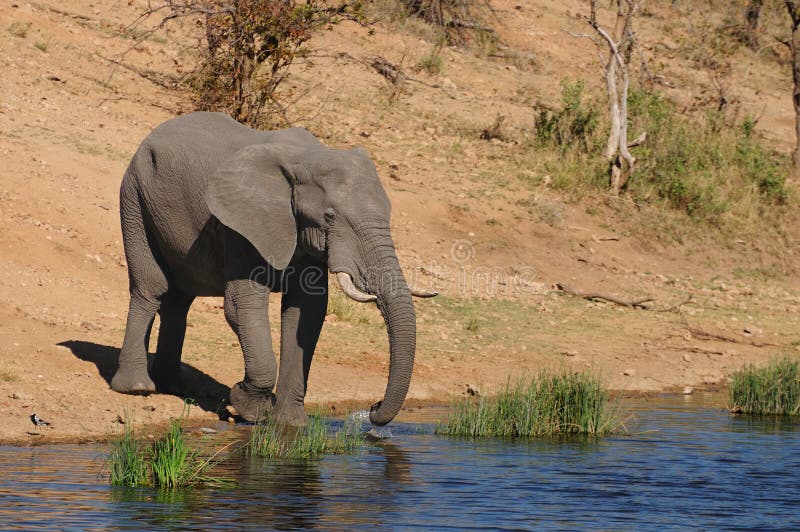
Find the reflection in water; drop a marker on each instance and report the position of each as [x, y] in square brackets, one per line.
[685, 465]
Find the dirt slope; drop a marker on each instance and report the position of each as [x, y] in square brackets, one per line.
[465, 222]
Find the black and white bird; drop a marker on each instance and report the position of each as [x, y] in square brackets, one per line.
[39, 422]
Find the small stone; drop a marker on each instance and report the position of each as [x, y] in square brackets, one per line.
[472, 390]
[688, 390]
[629, 372]
[571, 353]
[207, 430]
[686, 357]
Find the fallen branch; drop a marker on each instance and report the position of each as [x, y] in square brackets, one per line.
[597, 296]
[692, 349]
[700, 334]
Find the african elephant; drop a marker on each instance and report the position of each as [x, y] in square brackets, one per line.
[210, 207]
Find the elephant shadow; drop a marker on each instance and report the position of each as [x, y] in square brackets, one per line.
[203, 389]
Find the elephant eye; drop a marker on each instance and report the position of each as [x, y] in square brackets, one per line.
[330, 215]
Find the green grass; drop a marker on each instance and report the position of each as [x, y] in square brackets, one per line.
[772, 389]
[350, 311]
[167, 463]
[172, 463]
[274, 441]
[547, 404]
[127, 461]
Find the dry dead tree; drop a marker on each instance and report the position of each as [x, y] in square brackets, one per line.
[618, 44]
[794, 14]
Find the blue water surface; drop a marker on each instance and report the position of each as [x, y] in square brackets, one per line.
[686, 464]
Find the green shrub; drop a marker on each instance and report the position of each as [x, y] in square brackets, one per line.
[772, 389]
[705, 168]
[572, 127]
[547, 404]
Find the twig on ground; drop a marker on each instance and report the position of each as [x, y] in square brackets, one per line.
[693, 349]
[597, 296]
[700, 334]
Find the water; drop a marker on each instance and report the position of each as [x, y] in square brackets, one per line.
[689, 464]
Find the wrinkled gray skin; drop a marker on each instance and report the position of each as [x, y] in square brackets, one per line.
[210, 207]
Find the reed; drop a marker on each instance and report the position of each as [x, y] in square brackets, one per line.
[127, 461]
[773, 389]
[274, 441]
[547, 404]
[169, 462]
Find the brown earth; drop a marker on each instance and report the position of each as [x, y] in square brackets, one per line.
[466, 220]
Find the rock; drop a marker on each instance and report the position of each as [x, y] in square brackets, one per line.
[448, 84]
[571, 353]
[686, 357]
[472, 390]
[688, 390]
[629, 372]
[207, 430]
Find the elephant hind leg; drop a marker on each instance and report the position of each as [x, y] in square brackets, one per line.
[131, 376]
[148, 283]
[166, 371]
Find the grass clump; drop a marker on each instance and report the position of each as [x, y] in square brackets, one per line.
[773, 389]
[432, 63]
[273, 441]
[167, 463]
[547, 404]
[19, 29]
[6, 375]
[127, 461]
[172, 463]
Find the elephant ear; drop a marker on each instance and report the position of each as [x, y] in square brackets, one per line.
[251, 193]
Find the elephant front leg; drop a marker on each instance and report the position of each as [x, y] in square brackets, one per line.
[246, 309]
[303, 308]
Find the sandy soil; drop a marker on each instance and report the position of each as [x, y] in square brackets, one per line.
[70, 118]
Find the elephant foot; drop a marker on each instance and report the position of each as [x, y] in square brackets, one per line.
[168, 380]
[134, 381]
[251, 403]
[291, 414]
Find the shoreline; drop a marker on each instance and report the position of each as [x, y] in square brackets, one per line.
[334, 410]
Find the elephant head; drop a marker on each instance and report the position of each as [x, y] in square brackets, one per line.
[331, 204]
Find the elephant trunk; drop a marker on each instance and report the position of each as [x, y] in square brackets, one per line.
[385, 279]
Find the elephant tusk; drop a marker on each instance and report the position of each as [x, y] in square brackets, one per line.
[347, 286]
[421, 292]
